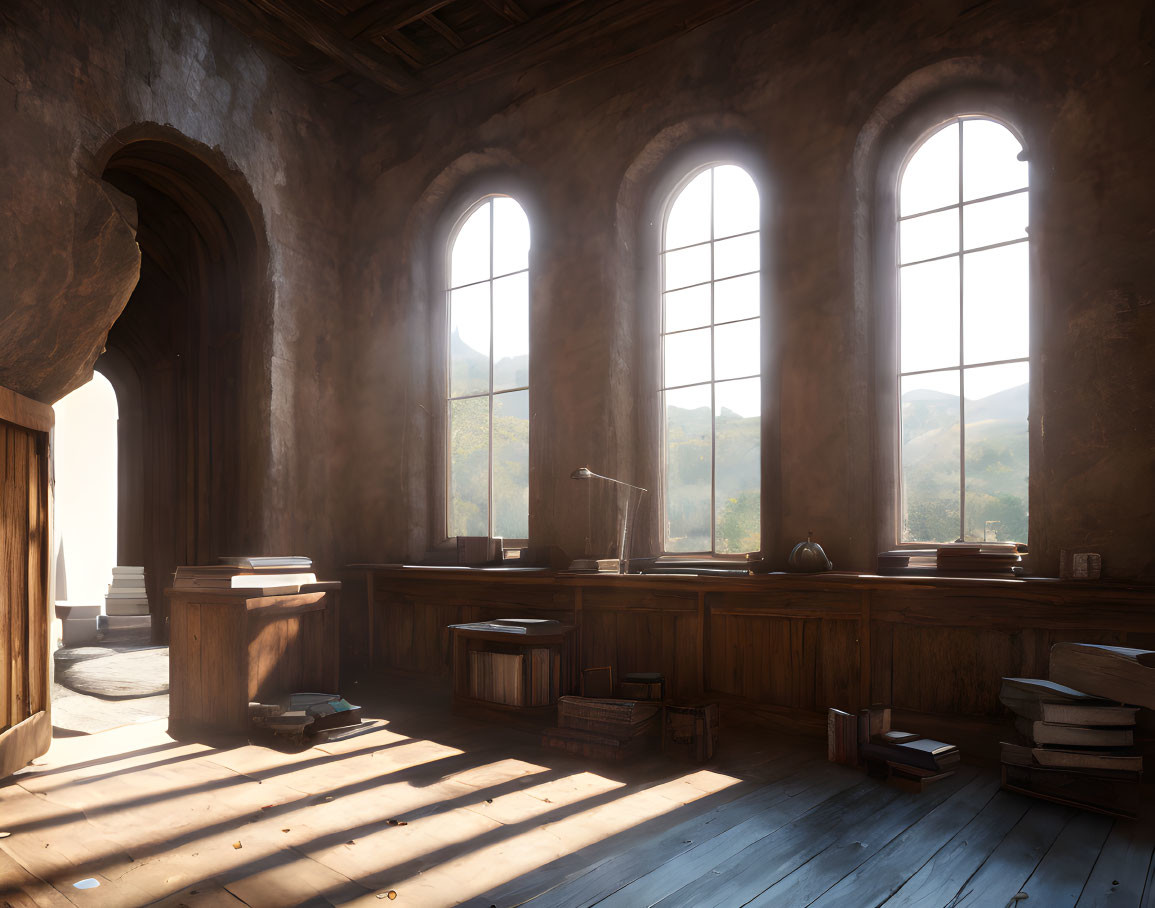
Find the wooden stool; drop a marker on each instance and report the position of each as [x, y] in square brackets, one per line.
[690, 730]
[642, 686]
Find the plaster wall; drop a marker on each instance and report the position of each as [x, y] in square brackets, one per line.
[811, 88]
[77, 77]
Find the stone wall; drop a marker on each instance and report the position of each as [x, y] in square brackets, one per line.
[811, 89]
[78, 78]
[350, 197]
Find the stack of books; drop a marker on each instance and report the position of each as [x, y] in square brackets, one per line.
[1073, 747]
[603, 728]
[985, 558]
[126, 594]
[917, 562]
[905, 758]
[250, 575]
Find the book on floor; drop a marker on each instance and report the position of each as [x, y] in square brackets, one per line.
[1113, 672]
[1128, 762]
[1049, 701]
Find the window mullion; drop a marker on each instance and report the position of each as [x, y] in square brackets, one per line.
[962, 401]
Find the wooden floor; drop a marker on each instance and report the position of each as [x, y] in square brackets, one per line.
[444, 810]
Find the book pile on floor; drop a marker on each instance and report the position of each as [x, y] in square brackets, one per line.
[126, 594]
[904, 758]
[251, 575]
[306, 714]
[1077, 743]
[603, 729]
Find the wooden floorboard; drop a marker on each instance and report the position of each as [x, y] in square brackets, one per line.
[443, 809]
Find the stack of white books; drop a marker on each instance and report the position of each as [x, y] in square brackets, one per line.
[126, 593]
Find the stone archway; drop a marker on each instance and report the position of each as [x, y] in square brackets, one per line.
[191, 347]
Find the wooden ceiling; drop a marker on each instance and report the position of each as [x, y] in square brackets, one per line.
[406, 47]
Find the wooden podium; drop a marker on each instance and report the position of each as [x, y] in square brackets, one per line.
[227, 648]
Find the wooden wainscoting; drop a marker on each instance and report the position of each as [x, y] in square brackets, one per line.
[780, 645]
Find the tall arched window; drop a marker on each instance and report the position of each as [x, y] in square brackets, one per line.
[488, 372]
[963, 371]
[711, 364]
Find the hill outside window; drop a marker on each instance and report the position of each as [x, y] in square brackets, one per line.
[487, 366]
[711, 364]
[963, 316]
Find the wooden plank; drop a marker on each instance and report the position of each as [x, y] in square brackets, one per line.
[942, 877]
[305, 21]
[707, 860]
[25, 412]
[883, 873]
[382, 16]
[1060, 876]
[1120, 872]
[1003, 873]
[744, 874]
[855, 844]
[602, 875]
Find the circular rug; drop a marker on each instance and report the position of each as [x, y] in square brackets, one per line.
[140, 673]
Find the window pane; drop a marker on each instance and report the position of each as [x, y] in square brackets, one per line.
[735, 256]
[990, 160]
[511, 464]
[687, 357]
[736, 349]
[688, 469]
[689, 219]
[510, 237]
[996, 221]
[469, 340]
[511, 332]
[928, 236]
[469, 259]
[930, 179]
[996, 321]
[735, 201]
[688, 308]
[688, 266]
[930, 457]
[469, 467]
[929, 315]
[736, 298]
[738, 465]
[997, 403]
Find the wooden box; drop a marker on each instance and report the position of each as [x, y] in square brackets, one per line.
[690, 730]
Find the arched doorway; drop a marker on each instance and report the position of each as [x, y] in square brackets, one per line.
[189, 359]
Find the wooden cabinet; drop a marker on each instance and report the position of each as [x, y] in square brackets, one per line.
[227, 649]
[544, 666]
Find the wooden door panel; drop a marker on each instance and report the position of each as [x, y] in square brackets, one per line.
[25, 534]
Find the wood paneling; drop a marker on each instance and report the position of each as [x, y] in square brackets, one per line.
[782, 645]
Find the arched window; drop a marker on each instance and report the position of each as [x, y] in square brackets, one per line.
[963, 344]
[487, 366]
[711, 364]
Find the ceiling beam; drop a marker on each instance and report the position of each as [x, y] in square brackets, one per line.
[444, 30]
[382, 16]
[575, 39]
[305, 20]
[508, 9]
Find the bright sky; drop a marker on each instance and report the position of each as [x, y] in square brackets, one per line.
[994, 281]
[85, 493]
[712, 242]
[474, 262]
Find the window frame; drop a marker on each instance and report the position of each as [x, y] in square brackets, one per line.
[903, 137]
[680, 173]
[460, 203]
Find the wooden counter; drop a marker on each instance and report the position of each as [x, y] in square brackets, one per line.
[227, 648]
[781, 645]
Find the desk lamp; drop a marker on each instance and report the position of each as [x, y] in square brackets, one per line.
[624, 535]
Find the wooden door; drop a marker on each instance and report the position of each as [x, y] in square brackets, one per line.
[25, 594]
